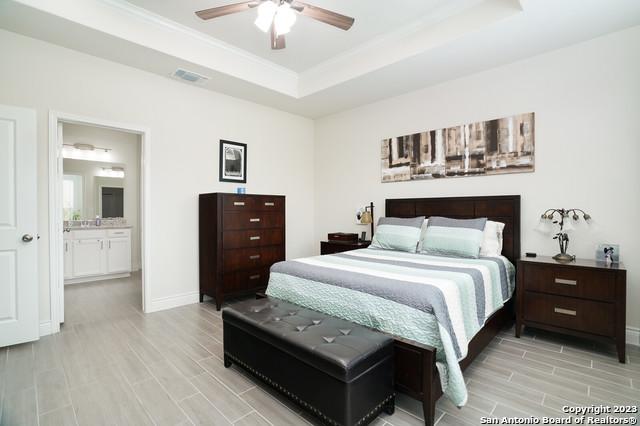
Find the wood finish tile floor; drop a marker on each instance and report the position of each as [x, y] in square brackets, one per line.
[114, 365]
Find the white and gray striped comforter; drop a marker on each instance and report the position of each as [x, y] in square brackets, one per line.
[439, 301]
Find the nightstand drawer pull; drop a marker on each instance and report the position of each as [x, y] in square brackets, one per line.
[238, 203]
[565, 311]
[257, 237]
[254, 277]
[254, 257]
[566, 282]
[269, 204]
[254, 219]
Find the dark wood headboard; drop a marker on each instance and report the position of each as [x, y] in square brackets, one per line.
[500, 208]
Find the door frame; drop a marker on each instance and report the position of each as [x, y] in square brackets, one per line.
[56, 243]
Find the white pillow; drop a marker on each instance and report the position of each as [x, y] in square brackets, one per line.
[492, 239]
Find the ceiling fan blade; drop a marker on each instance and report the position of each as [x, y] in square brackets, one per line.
[277, 42]
[216, 12]
[323, 15]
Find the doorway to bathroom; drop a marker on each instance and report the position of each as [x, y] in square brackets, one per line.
[97, 221]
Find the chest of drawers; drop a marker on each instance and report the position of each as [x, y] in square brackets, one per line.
[584, 298]
[240, 237]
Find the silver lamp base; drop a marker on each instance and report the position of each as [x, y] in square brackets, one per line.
[563, 257]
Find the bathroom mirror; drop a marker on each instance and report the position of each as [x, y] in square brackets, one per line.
[93, 188]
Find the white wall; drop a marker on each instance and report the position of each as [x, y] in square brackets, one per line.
[186, 124]
[587, 103]
[125, 152]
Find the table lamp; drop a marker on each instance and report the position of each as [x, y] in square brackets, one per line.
[367, 217]
[565, 219]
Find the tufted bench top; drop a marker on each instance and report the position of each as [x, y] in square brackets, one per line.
[338, 347]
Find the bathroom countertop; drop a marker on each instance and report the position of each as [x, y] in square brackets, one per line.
[93, 227]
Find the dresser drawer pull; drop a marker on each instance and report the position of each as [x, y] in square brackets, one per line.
[254, 277]
[565, 311]
[257, 237]
[254, 219]
[566, 282]
[238, 203]
[254, 257]
[269, 204]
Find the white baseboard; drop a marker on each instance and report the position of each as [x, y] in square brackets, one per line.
[169, 302]
[633, 336]
[45, 328]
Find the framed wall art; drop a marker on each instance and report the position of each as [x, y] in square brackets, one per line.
[504, 145]
[233, 162]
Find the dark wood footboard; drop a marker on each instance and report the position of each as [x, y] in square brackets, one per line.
[415, 364]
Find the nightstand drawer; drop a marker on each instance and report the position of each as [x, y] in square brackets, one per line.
[573, 282]
[576, 314]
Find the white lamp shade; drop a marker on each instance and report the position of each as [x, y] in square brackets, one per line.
[568, 224]
[266, 12]
[544, 226]
[285, 18]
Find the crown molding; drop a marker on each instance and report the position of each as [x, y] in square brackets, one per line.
[161, 21]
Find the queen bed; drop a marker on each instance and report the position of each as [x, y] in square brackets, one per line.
[441, 311]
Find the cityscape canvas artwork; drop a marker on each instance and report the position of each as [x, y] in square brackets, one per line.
[504, 145]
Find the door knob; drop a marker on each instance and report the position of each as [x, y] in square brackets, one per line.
[27, 238]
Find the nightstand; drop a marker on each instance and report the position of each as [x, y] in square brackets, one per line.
[584, 298]
[330, 247]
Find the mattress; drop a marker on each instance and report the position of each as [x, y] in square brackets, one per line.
[438, 301]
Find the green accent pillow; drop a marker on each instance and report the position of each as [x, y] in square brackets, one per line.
[395, 233]
[454, 237]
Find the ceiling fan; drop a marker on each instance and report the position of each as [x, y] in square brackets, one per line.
[278, 16]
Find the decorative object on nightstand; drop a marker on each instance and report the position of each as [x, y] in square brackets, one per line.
[585, 298]
[364, 216]
[343, 237]
[331, 247]
[608, 253]
[565, 219]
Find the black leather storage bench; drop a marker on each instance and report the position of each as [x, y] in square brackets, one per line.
[340, 371]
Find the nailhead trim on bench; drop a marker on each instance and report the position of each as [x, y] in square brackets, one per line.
[376, 410]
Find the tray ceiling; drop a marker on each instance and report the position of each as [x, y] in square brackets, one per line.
[309, 42]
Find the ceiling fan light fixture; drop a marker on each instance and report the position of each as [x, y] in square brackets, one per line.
[284, 19]
[266, 12]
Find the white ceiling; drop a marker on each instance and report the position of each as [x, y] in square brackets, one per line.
[444, 43]
[310, 42]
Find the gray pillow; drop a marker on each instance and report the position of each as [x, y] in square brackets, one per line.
[454, 237]
[395, 233]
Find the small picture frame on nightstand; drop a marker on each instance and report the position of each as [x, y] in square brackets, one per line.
[608, 253]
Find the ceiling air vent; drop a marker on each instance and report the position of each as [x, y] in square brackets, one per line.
[189, 76]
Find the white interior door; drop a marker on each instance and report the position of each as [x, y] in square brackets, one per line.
[18, 234]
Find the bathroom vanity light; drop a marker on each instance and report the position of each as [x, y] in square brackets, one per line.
[86, 151]
[114, 172]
